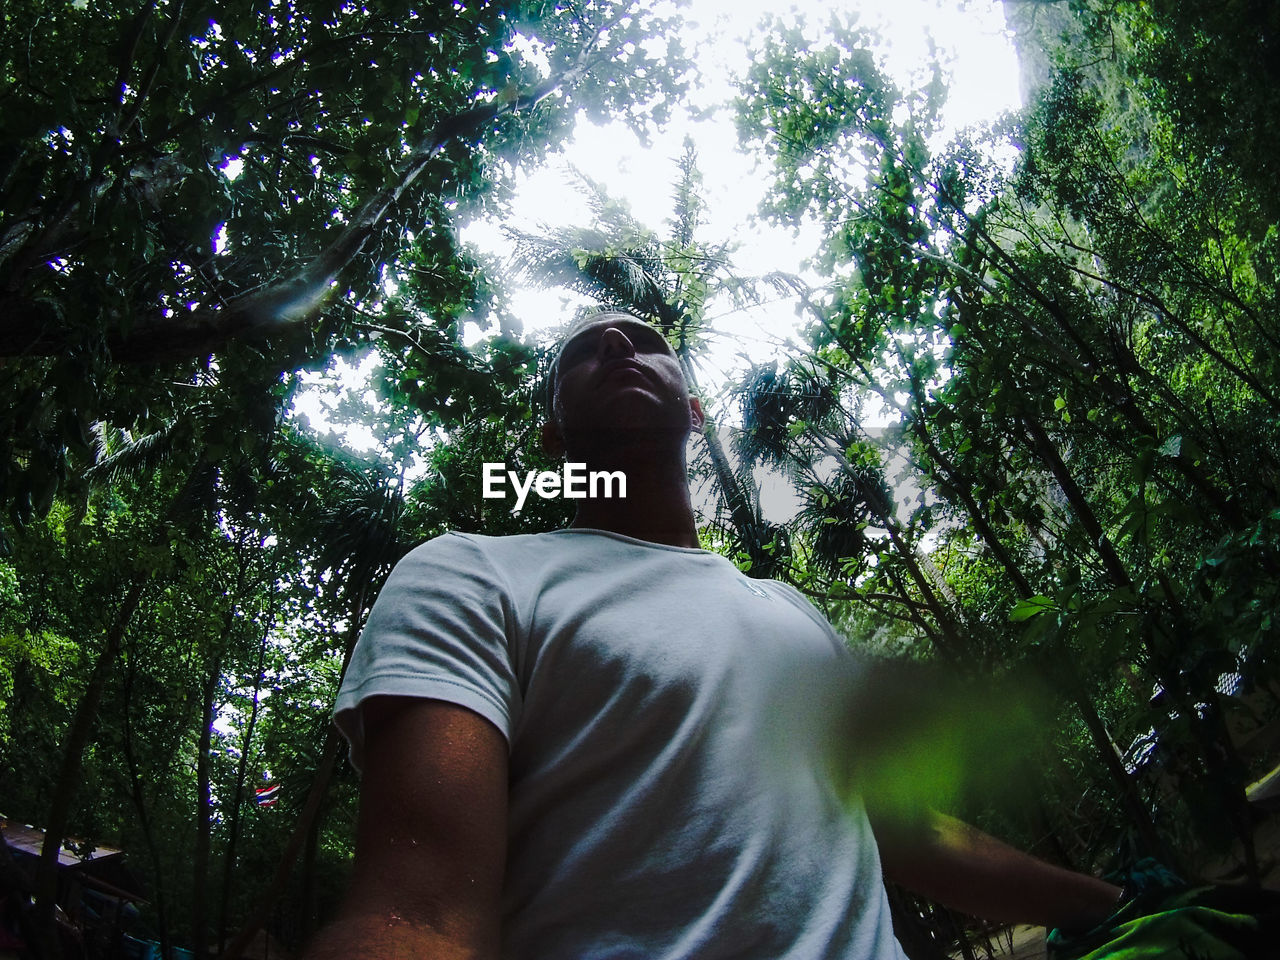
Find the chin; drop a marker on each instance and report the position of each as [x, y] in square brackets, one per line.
[621, 435]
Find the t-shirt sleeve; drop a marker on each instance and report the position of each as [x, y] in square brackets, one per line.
[440, 629]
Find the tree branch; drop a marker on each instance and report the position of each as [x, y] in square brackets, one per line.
[301, 296]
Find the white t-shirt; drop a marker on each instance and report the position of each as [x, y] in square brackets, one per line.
[672, 733]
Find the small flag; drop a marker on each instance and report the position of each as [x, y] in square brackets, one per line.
[268, 795]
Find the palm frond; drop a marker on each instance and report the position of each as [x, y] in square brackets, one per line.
[778, 409]
[359, 530]
[838, 513]
[136, 457]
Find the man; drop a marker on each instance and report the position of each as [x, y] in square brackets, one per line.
[605, 742]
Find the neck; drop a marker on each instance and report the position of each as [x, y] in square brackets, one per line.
[657, 506]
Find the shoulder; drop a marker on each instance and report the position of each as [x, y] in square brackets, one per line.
[455, 543]
[511, 553]
[509, 564]
[793, 596]
[470, 551]
[450, 545]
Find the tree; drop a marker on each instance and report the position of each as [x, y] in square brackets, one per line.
[1067, 349]
[195, 205]
[182, 185]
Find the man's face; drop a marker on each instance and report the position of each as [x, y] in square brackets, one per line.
[619, 373]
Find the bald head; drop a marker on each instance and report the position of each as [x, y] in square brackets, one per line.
[616, 381]
[583, 326]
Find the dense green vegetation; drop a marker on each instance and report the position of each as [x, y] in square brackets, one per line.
[1068, 323]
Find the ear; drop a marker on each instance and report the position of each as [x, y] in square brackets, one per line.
[696, 417]
[552, 440]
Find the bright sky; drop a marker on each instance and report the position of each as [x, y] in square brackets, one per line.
[983, 74]
[983, 82]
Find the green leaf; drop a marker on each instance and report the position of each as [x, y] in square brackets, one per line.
[1030, 607]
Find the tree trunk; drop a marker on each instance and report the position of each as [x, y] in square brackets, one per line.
[742, 513]
[964, 490]
[309, 876]
[77, 739]
[1136, 810]
[280, 880]
[953, 643]
[144, 819]
[69, 772]
[237, 804]
[204, 808]
[310, 810]
[1098, 539]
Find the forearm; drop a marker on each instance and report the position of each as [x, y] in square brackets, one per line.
[964, 868]
[391, 937]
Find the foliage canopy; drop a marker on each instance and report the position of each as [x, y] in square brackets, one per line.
[1064, 325]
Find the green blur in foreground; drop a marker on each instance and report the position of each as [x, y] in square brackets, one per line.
[916, 738]
[1165, 918]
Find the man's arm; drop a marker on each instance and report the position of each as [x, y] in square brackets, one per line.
[431, 839]
[958, 865]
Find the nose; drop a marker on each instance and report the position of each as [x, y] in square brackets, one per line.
[614, 343]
